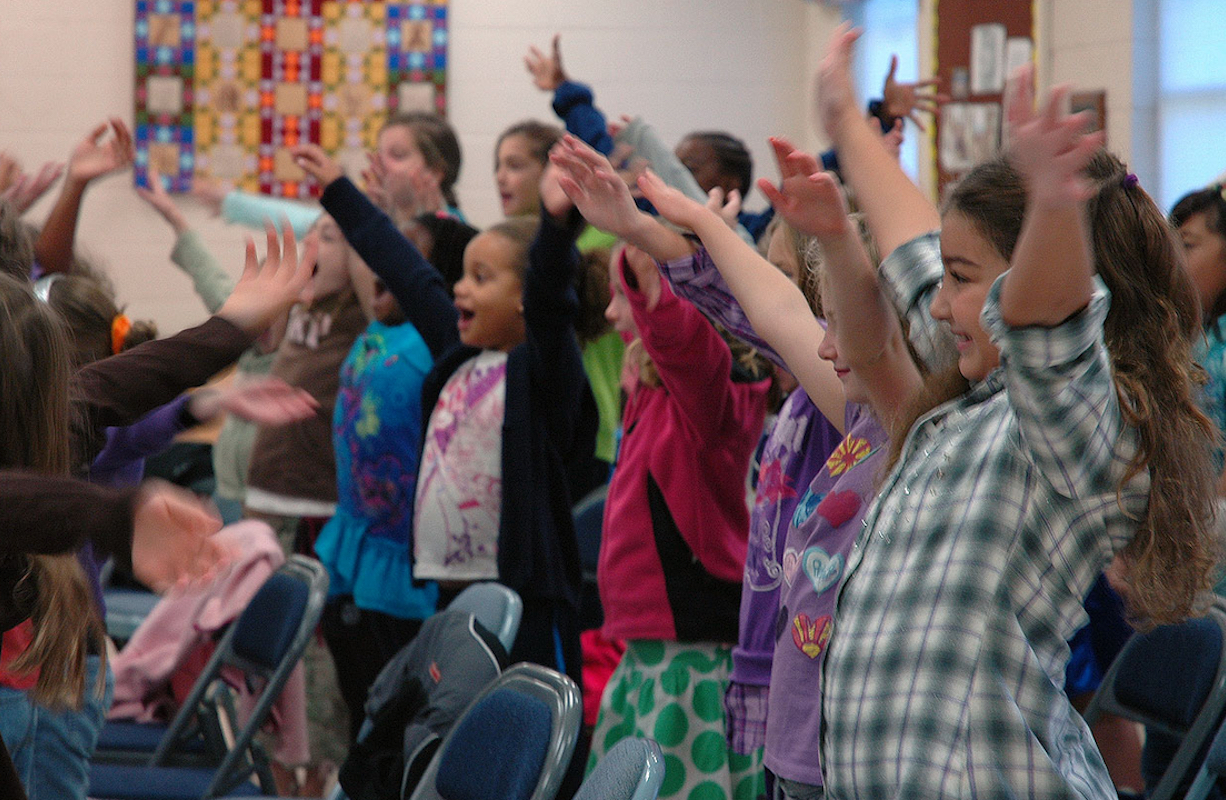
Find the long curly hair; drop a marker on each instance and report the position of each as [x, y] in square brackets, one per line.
[1150, 332]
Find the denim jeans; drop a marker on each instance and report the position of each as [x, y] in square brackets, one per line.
[51, 749]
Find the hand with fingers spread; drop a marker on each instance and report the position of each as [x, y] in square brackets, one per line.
[265, 291]
[27, 189]
[906, 100]
[427, 192]
[673, 204]
[595, 188]
[546, 70]
[728, 208]
[172, 538]
[317, 163]
[374, 178]
[806, 197]
[98, 154]
[1050, 149]
[157, 197]
[836, 94]
[265, 400]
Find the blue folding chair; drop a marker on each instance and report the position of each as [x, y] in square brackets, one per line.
[632, 770]
[513, 742]
[497, 607]
[1172, 679]
[266, 642]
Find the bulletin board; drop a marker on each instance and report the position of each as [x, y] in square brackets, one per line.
[978, 42]
[225, 87]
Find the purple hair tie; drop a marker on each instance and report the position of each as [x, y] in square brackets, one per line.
[1130, 180]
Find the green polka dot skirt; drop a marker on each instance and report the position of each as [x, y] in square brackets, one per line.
[673, 692]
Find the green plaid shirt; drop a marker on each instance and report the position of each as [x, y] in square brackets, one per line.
[945, 672]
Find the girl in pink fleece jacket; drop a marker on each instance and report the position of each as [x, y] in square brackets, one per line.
[675, 528]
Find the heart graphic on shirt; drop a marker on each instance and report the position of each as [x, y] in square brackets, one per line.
[838, 507]
[791, 563]
[804, 508]
[811, 635]
[823, 569]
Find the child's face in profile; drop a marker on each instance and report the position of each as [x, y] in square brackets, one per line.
[489, 296]
[332, 262]
[518, 175]
[618, 311]
[1206, 253]
[971, 265]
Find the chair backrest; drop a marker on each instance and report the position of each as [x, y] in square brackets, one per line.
[1173, 680]
[1213, 768]
[266, 642]
[498, 608]
[514, 742]
[632, 770]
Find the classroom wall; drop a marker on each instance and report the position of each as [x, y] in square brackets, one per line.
[740, 65]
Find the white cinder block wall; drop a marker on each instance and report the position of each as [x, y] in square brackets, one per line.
[739, 65]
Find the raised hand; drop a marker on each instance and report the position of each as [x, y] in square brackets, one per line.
[836, 95]
[595, 188]
[172, 538]
[806, 197]
[906, 100]
[25, 190]
[546, 70]
[98, 154]
[427, 193]
[265, 291]
[317, 163]
[553, 196]
[673, 204]
[265, 400]
[728, 208]
[157, 197]
[375, 179]
[1050, 149]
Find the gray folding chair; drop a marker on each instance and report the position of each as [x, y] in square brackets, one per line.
[632, 770]
[495, 606]
[514, 742]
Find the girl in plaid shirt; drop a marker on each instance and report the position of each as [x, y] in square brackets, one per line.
[1073, 438]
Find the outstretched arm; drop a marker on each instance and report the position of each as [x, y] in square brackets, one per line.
[774, 304]
[411, 279]
[1051, 276]
[94, 157]
[870, 337]
[211, 282]
[572, 102]
[896, 210]
[604, 200]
